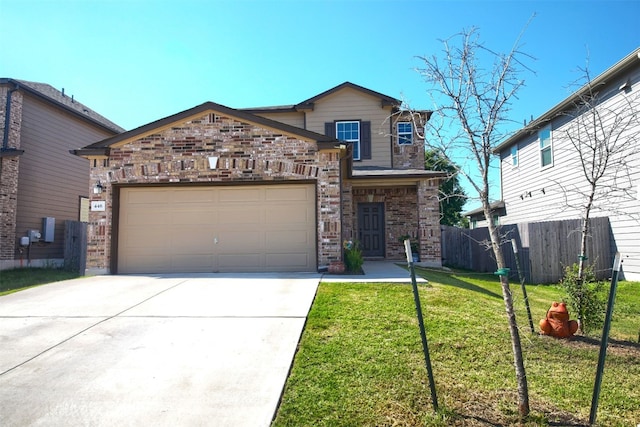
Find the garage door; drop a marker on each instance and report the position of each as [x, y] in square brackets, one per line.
[217, 229]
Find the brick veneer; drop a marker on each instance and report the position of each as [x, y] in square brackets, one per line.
[247, 154]
[415, 204]
[9, 174]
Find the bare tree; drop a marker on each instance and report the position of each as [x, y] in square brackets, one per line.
[473, 102]
[603, 135]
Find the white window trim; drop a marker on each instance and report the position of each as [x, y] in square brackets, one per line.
[400, 134]
[353, 141]
[515, 161]
[550, 147]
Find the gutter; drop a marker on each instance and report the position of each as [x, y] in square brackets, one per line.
[5, 151]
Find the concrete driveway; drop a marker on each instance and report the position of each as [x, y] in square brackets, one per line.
[151, 350]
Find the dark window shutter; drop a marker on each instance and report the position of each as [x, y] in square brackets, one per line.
[365, 140]
[330, 129]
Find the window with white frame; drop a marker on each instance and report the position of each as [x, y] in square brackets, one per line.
[546, 147]
[405, 133]
[514, 155]
[350, 132]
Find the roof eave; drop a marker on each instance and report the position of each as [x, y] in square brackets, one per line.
[614, 71]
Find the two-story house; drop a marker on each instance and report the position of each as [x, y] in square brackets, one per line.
[41, 184]
[281, 188]
[541, 172]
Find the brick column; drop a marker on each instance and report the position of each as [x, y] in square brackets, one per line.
[9, 168]
[429, 223]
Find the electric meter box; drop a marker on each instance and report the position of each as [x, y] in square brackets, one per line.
[48, 229]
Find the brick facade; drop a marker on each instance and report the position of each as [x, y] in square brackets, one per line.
[9, 173]
[409, 210]
[247, 153]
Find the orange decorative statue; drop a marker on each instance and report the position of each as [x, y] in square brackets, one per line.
[557, 323]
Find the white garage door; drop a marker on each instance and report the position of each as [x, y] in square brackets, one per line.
[217, 229]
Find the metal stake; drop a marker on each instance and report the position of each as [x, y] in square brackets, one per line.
[605, 340]
[423, 335]
[524, 289]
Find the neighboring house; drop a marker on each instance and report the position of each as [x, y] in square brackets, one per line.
[39, 178]
[541, 171]
[265, 189]
[477, 219]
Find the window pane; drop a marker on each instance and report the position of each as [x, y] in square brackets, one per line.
[405, 133]
[545, 137]
[514, 155]
[546, 156]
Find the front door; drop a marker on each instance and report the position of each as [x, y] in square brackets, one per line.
[371, 229]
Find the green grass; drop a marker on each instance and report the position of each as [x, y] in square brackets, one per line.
[360, 360]
[21, 278]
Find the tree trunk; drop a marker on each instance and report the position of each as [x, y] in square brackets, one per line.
[584, 234]
[518, 360]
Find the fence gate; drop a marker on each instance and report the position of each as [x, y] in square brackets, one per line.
[75, 246]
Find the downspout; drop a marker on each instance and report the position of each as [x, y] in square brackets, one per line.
[7, 117]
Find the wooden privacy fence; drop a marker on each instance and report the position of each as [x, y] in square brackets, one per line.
[544, 248]
[75, 246]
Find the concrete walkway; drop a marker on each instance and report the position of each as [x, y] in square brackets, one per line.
[377, 271]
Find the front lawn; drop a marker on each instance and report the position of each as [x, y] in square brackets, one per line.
[20, 278]
[360, 360]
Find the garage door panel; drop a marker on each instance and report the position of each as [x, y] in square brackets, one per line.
[283, 194]
[240, 194]
[295, 260]
[240, 241]
[240, 215]
[235, 228]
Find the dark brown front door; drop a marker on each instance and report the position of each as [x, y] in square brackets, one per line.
[371, 229]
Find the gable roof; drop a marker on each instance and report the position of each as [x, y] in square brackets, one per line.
[385, 100]
[615, 71]
[53, 96]
[102, 147]
[307, 104]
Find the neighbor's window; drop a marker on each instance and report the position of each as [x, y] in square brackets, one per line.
[546, 147]
[405, 133]
[514, 155]
[350, 132]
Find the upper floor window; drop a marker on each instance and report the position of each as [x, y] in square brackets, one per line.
[546, 147]
[405, 133]
[350, 132]
[514, 155]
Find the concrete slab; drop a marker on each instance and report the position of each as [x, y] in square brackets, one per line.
[164, 350]
[376, 272]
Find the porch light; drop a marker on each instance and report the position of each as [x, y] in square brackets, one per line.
[98, 188]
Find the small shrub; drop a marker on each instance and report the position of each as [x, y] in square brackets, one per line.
[353, 258]
[587, 300]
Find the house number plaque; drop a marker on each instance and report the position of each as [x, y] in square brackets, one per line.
[98, 206]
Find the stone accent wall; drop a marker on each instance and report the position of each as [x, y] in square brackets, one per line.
[246, 153]
[9, 168]
[409, 210]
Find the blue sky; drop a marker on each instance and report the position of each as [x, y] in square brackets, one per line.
[137, 61]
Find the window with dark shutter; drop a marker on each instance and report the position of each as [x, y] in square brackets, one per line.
[365, 140]
[330, 129]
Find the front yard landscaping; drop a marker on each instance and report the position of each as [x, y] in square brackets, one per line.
[360, 360]
[21, 278]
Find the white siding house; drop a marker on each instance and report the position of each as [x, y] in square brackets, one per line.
[541, 173]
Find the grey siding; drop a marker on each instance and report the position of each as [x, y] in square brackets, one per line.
[51, 180]
[532, 193]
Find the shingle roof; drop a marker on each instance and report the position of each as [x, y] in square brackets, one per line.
[56, 97]
[308, 103]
